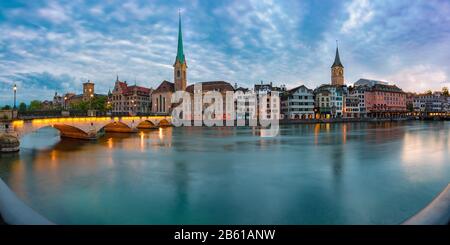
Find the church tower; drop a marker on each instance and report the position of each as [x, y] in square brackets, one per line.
[180, 66]
[337, 70]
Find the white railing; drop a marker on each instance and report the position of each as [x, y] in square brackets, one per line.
[15, 212]
[436, 213]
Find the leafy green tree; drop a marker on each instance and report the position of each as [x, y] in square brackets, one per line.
[96, 103]
[35, 105]
[80, 106]
[99, 103]
[410, 107]
[22, 107]
[445, 91]
[429, 92]
[6, 107]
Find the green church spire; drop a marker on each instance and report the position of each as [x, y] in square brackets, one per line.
[180, 53]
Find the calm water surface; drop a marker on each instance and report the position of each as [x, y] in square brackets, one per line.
[310, 174]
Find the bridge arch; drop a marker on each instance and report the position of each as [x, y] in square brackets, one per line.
[71, 131]
[146, 124]
[117, 127]
[164, 123]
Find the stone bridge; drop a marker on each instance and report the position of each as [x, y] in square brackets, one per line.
[89, 127]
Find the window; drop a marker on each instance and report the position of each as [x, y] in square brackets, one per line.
[178, 73]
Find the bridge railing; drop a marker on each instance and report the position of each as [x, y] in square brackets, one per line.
[74, 113]
[39, 114]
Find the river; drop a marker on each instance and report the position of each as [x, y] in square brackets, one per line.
[347, 173]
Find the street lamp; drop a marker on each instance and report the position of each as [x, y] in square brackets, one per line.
[15, 90]
[65, 99]
[108, 106]
[90, 102]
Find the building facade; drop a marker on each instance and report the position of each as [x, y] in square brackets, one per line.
[218, 86]
[245, 103]
[329, 101]
[298, 103]
[161, 98]
[268, 89]
[129, 100]
[360, 93]
[351, 107]
[430, 103]
[385, 101]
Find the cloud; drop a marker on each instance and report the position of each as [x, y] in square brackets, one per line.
[42, 80]
[53, 12]
[420, 78]
[360, 12]
[34, 85]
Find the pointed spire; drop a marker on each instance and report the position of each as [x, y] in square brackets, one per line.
[337, 60]
[117, 77]
[180, 53]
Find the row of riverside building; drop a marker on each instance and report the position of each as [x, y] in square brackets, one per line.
[365, 99]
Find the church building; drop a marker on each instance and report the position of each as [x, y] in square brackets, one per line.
[161, 96]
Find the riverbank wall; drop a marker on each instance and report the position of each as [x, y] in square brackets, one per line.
[342, 120]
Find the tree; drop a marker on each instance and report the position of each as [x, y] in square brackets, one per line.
[6, 107]
[35, 105]
[99, 103]
[410, 107]
[429, 92]
[22, 107]
[96, 103]
[445, 91]
[80, 106]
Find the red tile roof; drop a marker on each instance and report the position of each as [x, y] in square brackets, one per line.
[130, 89]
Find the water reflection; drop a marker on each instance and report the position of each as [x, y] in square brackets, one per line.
[355, 173]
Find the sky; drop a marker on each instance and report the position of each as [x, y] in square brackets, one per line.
[49, 46]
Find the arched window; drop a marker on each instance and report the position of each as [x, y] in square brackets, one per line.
[178, 73]
[164, 104]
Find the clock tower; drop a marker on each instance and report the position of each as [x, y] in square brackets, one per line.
[337, 70]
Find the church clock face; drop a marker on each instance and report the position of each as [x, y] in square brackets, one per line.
[338, 72]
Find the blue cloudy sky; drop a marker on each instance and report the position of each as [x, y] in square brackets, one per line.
[48, 46]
